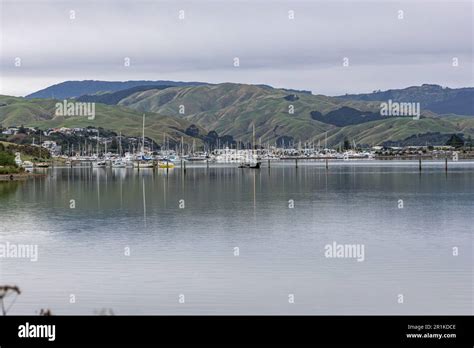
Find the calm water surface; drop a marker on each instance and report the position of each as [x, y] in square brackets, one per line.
[190, 250]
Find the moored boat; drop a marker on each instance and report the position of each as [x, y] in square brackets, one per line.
[27, 165]
[119, 164]
[165, 165]
[250, 165]
[143, 164]
[41, 165]
[99, 164]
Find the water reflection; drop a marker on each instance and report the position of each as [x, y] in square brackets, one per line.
[190, 250]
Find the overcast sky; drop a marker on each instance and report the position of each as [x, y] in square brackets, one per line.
[306, 52]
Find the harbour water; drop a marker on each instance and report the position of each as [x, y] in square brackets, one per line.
[223, 240]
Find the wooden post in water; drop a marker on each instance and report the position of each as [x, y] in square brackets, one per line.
[296, 162]
[269, 163]
[327, 164]
[207, 164]
[419, 163]
[446, 164]
[184, 167]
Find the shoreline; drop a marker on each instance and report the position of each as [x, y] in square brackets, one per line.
[19, 176]
[291, 162]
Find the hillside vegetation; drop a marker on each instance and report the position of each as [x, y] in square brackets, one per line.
[235, 110]
[41, 113]
[440, 100]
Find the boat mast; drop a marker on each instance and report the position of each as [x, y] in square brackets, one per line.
[120, 144]
[253, 138]
[143, 135]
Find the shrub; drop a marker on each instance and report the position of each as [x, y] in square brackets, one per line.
[7, 159]
[10, 170]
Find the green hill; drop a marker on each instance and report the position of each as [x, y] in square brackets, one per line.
[234, 109]
[395, 129]
[16, 111]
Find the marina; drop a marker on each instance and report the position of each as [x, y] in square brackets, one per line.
[241, 158]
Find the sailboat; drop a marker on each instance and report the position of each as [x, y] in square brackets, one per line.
[251, 161]
[98, 163]
[166, 164]
[168, 160]
[143, 164]
[143, 161]
[119, 163]
[250, 165]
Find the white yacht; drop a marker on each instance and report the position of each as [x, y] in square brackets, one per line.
[99, 164]
[119, 163]
[143, 164]
[230, 155]
[27, 165]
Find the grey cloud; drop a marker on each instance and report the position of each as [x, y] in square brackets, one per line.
[305, 53]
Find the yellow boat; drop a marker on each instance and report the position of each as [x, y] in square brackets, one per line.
[165, 165]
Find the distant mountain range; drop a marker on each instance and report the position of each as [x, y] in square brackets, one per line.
[73, 89]
[279, 115]
[441, 100]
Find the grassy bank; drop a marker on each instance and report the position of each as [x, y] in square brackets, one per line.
[28, 152]
[7, 162]
[10, 170]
